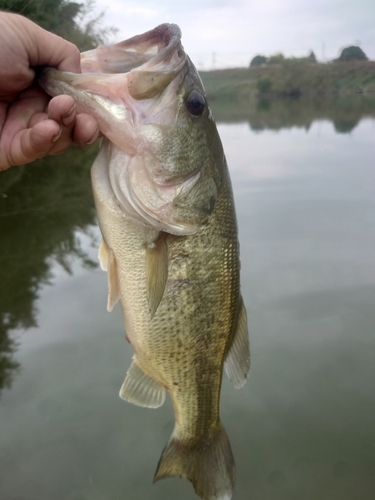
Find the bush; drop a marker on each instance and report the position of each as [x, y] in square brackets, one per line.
[276, 59]
[264, 85]
[352, 53]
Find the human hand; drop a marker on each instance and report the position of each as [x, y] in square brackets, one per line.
[31, 123]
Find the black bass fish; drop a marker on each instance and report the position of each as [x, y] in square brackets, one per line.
[165, 207]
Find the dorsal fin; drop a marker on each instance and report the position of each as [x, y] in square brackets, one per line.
[237, 363]
[156, 271]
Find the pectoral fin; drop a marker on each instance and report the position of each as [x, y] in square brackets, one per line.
[108, 263]
[237, 363]
[103, 255]
[156, 271]
[140, 389]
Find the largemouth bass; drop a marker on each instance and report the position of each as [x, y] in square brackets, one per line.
[165, 208]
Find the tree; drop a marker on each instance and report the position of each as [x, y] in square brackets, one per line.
[258, 61]
[311, 57]
[352, 53]
[73, 21]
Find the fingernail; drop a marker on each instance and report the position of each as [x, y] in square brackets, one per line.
[69, 117]
[56, 137]
[94, 137]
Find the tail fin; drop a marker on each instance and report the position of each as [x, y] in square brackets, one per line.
[207, 463]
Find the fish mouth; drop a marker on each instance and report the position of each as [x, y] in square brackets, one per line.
[149, 62]
[154, 59]
[114, 78]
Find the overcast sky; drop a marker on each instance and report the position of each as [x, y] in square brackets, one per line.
[224, 33]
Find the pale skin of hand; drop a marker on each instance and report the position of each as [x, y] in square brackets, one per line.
[32, 124]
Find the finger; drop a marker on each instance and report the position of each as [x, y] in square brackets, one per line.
[81, 128]
[45, 48]
[86, 129]
[3, 115]
[62, 110]
[36, 118]
[16, 120]
[30, 144]
[20, 113]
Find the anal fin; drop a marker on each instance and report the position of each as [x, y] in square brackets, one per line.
[237, 363]
[140, 389]
[156, 271]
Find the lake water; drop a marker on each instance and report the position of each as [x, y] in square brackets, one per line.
[301, 428]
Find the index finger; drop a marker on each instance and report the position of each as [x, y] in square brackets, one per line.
[44, 48]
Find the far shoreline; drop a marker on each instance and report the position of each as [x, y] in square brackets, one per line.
[292, 78]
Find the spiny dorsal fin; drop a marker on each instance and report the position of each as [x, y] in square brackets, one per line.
[237, 363]
[156, 271]
[108, 263]
[140, 389]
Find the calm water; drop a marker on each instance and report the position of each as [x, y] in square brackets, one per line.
[301, 428]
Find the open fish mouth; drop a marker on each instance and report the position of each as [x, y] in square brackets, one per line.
[116, 78]
[156, 50]
[154, 59]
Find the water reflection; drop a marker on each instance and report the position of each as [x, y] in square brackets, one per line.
[41, 208]
[344, 112]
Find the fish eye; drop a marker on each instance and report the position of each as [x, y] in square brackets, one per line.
[195, 103]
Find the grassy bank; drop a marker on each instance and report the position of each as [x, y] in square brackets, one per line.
[291, 79]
